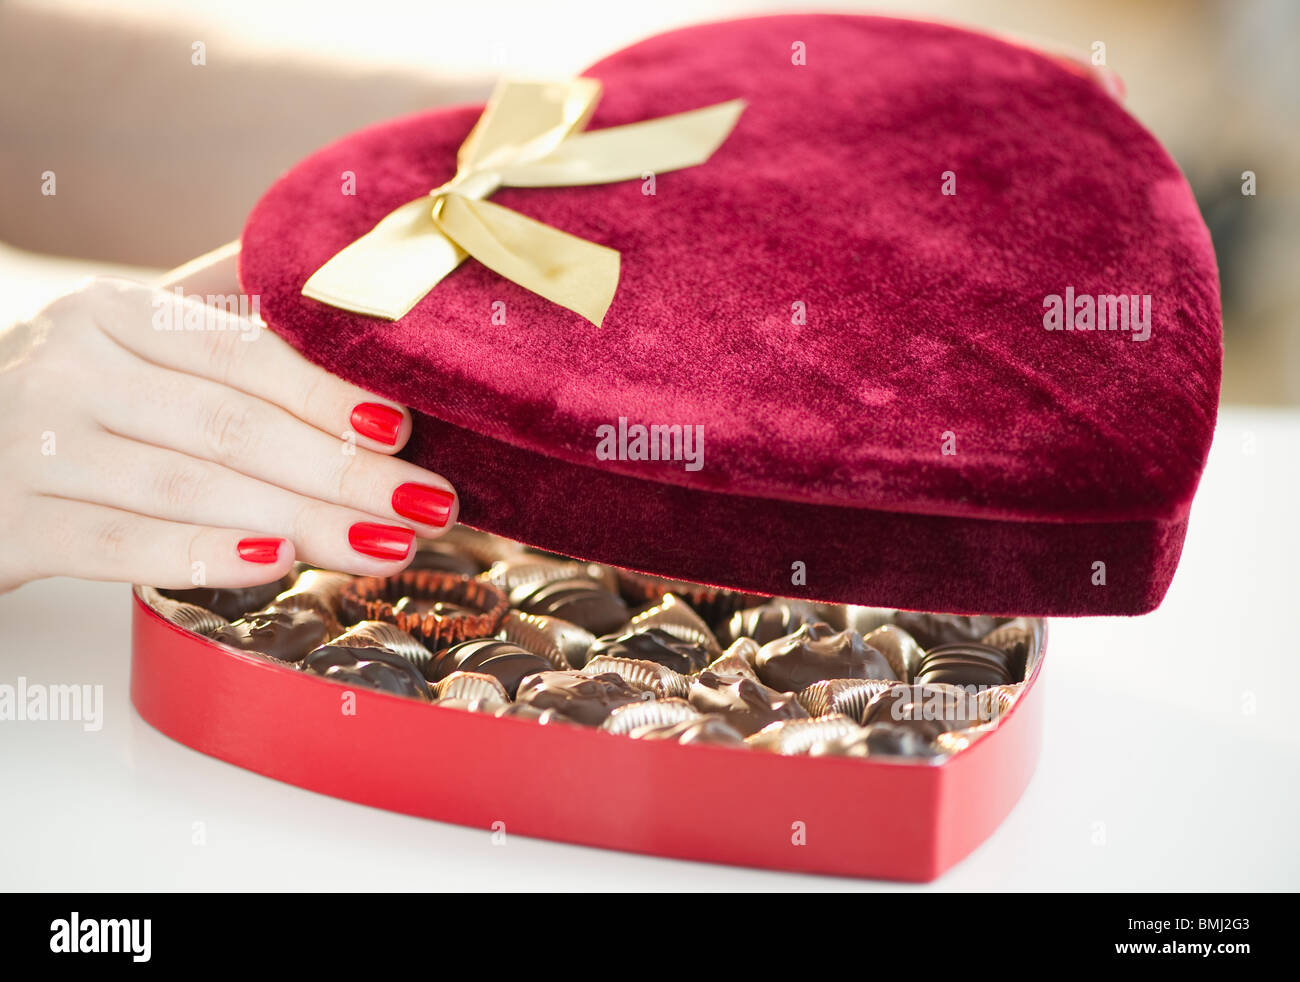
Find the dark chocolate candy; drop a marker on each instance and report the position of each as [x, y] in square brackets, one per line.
[705, 730]
[506, 662]
[370, 667]
[586, 699]
[280, 633]
[882, 740]
[234, 603]
[931, 630]
[745, 704]
[815, 652]
[770, 621]
[652, 645]
[445, 559]
[578, 600]
[966, 664]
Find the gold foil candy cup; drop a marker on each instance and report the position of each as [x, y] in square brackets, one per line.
[562, 643]
[899, 648]
[190, 617]
[660, 712]
[798, 736]
[846, 697]
[482, 693]
[477, 607]
[674, 616]
[732, 663]
[646, 675]
[483, 547]
[319, 590]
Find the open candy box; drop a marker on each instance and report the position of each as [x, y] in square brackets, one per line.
[838, 263]
[576, 701]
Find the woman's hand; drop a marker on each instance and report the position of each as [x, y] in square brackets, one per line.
[180, 458]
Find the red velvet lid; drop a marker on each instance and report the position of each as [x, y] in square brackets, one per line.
[824, 440]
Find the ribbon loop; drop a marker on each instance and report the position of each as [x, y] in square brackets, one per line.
[528, 136]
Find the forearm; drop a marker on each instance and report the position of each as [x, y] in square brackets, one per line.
[155, 158]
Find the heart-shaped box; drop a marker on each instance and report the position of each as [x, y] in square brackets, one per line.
[883, 406]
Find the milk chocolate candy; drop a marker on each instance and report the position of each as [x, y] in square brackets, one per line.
[931, 630]
[369, 667]
[815, 652]
[320, 590]
[507, 663]
[770, 621]
[280, 633]
[964, 664]
[653, 645]
[231, 604]
[930, 709]
[580, 601]
[701, 731]
[747, 705]
[899, 648]
[585, 699]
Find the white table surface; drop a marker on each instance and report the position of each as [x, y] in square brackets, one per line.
[1171, 757]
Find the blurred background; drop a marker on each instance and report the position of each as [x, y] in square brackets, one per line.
[162, 122]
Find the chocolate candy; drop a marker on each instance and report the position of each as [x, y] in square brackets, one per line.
[899, 648]
[444, 557]
[798, 736]
[520, 575]
[703, 730]
[674, 616]
[440, 609]
[519, 710]
[381, 634]
[653, 645]
[585, 699]
[930, 709]
[815, 652]
[747, 705]
[231, 604]
[966, 664]
[507, 663]
[848, 697]
[1017, 639]
[770, 621]
[280, 633]
[565, 645]
[370, 667]
[931, 630]
[880, 740]
[579, 600]
[648, 676]
[734, 663]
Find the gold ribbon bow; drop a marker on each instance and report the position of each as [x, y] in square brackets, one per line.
[528, 137]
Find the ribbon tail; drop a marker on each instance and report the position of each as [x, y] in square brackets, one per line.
[621, 153]
[563, 268]
[388, 270]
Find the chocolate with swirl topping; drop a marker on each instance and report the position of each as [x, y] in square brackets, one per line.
[747, 705]
[370, 667]
[507, 663]
[586, 699]
[279, 633]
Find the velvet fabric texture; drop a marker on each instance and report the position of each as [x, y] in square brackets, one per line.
[867, 356]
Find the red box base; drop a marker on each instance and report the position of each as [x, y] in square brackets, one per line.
[831, 815]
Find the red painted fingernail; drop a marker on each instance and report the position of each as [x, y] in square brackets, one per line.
[381, 541]
[259, 550]
[423, 503]
[377, 421]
